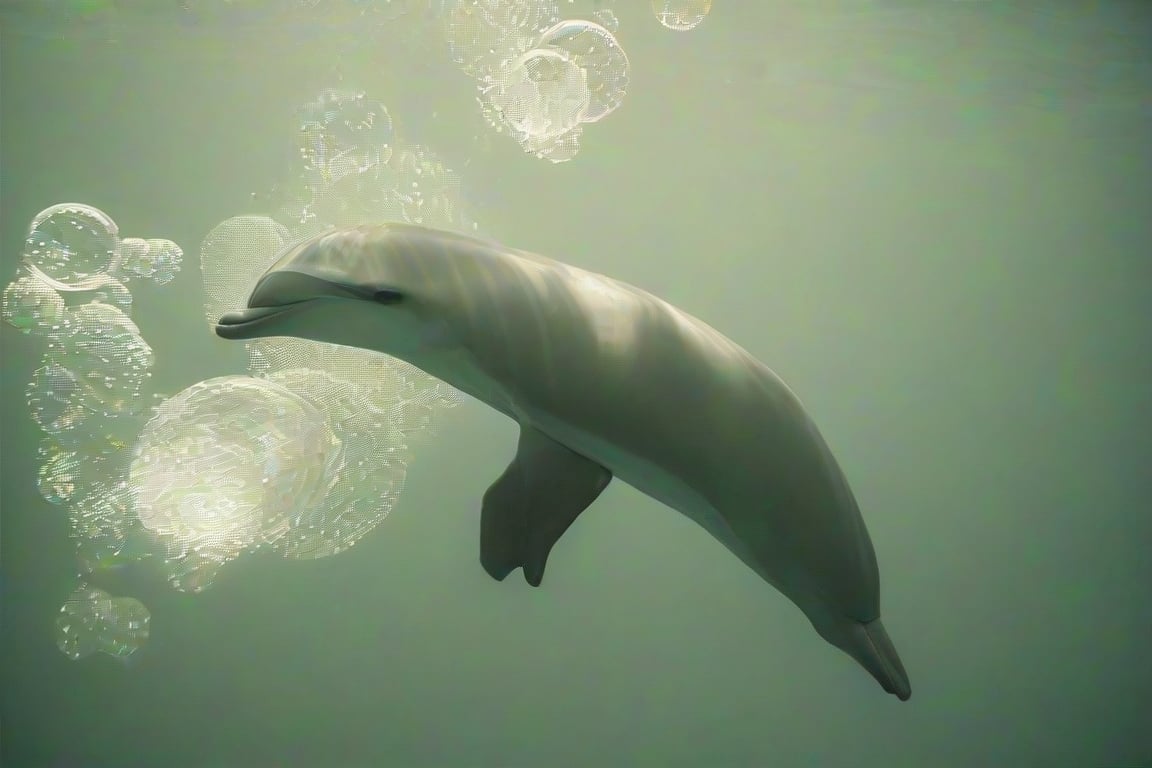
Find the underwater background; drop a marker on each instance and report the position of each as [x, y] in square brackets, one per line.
[932, 218]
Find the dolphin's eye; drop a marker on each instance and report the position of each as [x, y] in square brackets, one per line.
[386, 296]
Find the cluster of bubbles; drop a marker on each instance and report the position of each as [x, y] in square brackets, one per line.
[92, 620]
[303, 456]
[541, 78]
[90, 394]
[71, 290]
[354, 168]
[308, 453]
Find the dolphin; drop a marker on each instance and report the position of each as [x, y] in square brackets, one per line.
[604, 380]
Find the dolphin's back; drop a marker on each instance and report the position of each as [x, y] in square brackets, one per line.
[626, 381]
[662, 399]
[667, 403]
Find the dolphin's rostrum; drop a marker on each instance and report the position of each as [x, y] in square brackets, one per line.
[604, 380]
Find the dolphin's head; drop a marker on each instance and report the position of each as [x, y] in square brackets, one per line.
[349, 287]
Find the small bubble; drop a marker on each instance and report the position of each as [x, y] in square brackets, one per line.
[681, 15]
[92, 620]
[32, 306]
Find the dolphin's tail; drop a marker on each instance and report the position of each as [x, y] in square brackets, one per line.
[870, 645]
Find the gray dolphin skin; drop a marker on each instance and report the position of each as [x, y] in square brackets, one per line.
[604, 380]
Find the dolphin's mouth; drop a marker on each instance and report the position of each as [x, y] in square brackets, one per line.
[242, 323]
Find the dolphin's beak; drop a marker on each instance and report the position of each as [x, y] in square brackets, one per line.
[287, 290]
[275, 293]
[243, 323]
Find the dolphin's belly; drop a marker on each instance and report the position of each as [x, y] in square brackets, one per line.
[645, 476]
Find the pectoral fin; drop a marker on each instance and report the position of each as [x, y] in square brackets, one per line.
[530, 506]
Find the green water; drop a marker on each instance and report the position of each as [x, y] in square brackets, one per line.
[931, 220]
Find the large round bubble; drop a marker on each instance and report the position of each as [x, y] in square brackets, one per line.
[594, 49]
[72, 241]
[228, 464]
[543, 94]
